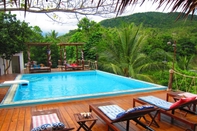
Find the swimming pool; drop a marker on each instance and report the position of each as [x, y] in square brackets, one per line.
[65, 86]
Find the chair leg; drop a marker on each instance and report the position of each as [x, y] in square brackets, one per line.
[142, 124]
[127, 128]
[153, 119]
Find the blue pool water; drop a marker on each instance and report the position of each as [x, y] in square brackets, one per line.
[77, 85]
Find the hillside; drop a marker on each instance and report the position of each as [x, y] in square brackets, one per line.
[152, 19]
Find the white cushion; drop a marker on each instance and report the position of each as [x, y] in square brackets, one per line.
[111, 110]
[156, 101]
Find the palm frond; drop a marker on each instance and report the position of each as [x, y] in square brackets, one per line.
[186, 6]
[145, 78]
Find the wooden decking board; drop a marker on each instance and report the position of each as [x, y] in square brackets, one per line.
[20, 125]
[8, 117]
[27, 118]
[5, 126]
[19, 118]
[66, 116]
[14, 119]
[15, 115]
[2, 117]
[67, 110]
[70, 113]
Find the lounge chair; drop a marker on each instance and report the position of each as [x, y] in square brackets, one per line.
[38, 68]
[176, 95]
[74, 67]
[165, 106]
[48, 120]
[113, 114]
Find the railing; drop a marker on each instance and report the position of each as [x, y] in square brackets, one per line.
[87, 64]
[184, 82]
[90, 65]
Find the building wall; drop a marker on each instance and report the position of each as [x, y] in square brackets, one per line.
[1, 66]
[10, 69]
[21, 60]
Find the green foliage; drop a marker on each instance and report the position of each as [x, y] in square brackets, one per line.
[123, 52]
[39, 54]
[88, 32]
[183, 81]
[152, 20]
[91, 49]
[128, 48]
[160, 77]
[52, 38]
[13, 35]
[77, 37]
[36, 37]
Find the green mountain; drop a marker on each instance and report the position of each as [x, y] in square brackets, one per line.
[153, 20]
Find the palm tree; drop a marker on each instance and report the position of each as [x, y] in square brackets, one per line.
[123, 52]
[53, 34]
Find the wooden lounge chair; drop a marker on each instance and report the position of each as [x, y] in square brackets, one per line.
[168, 108]
[74, 67]
[39, 69]
[114, 123]
[176, 95]
[41, 118]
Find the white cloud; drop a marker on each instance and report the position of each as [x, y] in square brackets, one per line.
[45, 23]
[70, 22]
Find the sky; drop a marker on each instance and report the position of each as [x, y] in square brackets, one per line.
[70, 23]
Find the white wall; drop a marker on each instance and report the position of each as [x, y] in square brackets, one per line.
[1, 66]
[21, 59]
[10, 69]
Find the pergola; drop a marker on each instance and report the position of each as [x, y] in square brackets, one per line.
[63, 50]
[49, 63]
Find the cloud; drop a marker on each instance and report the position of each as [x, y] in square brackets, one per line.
[46, 24]
[70, 21]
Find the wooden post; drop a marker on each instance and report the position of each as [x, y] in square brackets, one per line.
[60, 55]
[65, 61]
[172, 70]
[77, 54]
[29, 59]
[170, 79]
[49, 63]
[96, 65]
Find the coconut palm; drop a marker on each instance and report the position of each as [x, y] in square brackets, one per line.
[123, 52]
[53, 34]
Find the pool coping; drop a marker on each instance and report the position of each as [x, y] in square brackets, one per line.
[7, 101]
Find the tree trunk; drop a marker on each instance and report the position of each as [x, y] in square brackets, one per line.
[7, 66]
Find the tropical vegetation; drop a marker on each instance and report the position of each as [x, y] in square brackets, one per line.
[13, 35]
[142, 49]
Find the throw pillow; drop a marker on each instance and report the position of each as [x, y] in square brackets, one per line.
[182, 101]
[49, 127]
[58, 126]
[132, 110]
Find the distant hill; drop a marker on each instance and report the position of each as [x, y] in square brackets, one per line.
[152, 19]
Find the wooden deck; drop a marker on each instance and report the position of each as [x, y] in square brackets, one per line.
[19, 118]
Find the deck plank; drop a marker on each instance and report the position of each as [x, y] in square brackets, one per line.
[19, 118]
